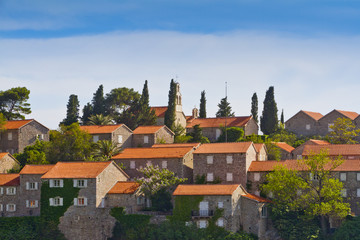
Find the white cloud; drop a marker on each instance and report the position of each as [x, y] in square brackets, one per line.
[316, 74]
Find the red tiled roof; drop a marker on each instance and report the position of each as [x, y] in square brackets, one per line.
[159, 111]
[147, 153]
[124, 188]
[9, 179]
[349, 166]
[217, 122]
[16, 124]
[76, 169]
[351, 115]
[314, 115]
[284, 146]
[203, 189]
[256, 198]
[171, 145]
[234, 147]
[333, 149]
[3, 154]
[258, 146]
[147, 129]
[36, 169]
[189, 118]
[98, 129]
[319, 142]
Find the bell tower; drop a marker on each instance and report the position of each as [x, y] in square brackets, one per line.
[178, 102]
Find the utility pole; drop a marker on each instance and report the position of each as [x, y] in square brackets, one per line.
[225, 112]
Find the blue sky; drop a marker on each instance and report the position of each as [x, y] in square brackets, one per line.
[308, 50]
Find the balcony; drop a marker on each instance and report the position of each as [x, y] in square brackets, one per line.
[202, 213]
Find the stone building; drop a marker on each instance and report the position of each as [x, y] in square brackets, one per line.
[177, 159]
[224, 162]
[21, 133]
[304, 123]
[328, 120]
[146, 136]
[346, 151]
[176, 145]
[285, 149]
[120, 134]
[9, 195]
[7, 162]
[261, 152]
[211, 127]
[298, 151]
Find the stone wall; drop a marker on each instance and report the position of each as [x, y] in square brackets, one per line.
[29, 133]
[138, 140]
[10, 199]
[297, 124]
[164, 134]
[29, 194]
[126, 137]
[6, 145]
[251, 127]
[7, 162]
[323, 128]
[128, 201]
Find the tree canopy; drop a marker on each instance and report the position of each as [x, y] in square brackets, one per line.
[343, 132]
[98, 101]
[72, 112]
[100, 119]
[224, 109]
[13, 103]
[254, 107]
[234, 134]
[170, 112]
[202, 113]
[269, 119]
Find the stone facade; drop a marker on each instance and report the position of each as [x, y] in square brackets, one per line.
[163, 135]
[297, 152]
[7, 198]
[30, 192]
[327, 121]
[7, 162]
[303, 123]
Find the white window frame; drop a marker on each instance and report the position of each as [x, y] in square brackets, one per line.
[32, 185]
[146, 139]
[344, 192]
[229, 177]
[229, 159]
[220, 222]
[11, 191]
[307, 126]
[1, 190]
[10, 136]
[56, 201]
[256, 177]
[220, 205]
[56, 183]
[120, 139]
[358, 192]
[264, 212]
[210, 177]
[95, 138]
[358, 176]
[32, 203]
[132, 165]
[80, 183]
[80, 201]
[11, 205]
[202, 224]
[210, 159]
[164, 164]
[342, 176]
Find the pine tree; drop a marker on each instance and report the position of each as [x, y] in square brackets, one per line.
[72, 113]
[87, 112]
[170, 112]
[98, 101]
[224, 109]
[146, 116]
[254, 107]
[282, 117]
[269, 118]
[202, 105]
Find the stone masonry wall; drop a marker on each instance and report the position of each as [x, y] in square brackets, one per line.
[138, 140]
[251, 127]
[297, 124]
[164, 135]
[10, 199]
[128, 201]
[6, 145]
[323, 128]
[29, 194]
[126, 137]
[7, 163]
[29, 133]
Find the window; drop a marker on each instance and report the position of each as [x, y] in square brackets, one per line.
[329, 127]
[40, 136]
[95, 138]
[209, 159]
[56, 201]
[164, 164]
[10, 207]
[132, 164]
[56, 183]
[358, 192]
[220, 222]
[343, 192]
[218, 133]
[256, 177]
[264, 212]
[80, 183]
[229, 159]
[220, 204]
[314, 176]
[1, 191]
[307, 126]
[229, 177]
[146, 139]
[210, 177]
[202, 223]
[32, 203]
[343, 177]
[11, 191]
[31, 185]
[10, 136]
[358, 176]
[120, 139]
[140, 200]
[148, 163]
[1, 208]
[81, 201]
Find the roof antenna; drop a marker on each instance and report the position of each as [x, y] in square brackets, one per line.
[225, 112]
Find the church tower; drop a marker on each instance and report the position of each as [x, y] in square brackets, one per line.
[178, 103]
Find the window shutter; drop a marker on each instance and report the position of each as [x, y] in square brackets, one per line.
[85, 201]
[14, 207]
[1, 208]
[51, 200]
[1, 191]
[7, 191]
[36, 185]
[85, 183]
[75, 182]
[61, 201]
[61, 183]
[51, 183]
[7, 207]
[27, 203]
[75, 202]
[36, 203]
[27, 185]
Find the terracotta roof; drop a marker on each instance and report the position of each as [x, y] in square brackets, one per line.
[124, 188]
[147, 153]
[234, 147]
[147, 129]
[159, 111]
[36, 169]
[171, 145]
[284, 146]
[256, 198]
[319, 142]
[333, 149]
[258, 146]
[217, 122]
[9, 179]
[3, 154]
[351, 115]
[98, 129]
[314, 115]
[203, 189]
[76, 169]
[349, 166]
[16, 124]
[189, 118]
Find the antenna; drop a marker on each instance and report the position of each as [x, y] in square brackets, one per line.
[225, 112]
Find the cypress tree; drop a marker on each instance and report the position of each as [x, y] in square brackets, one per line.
[170, 112]
[224, 109]
[72, 113]
[254, 107]
[202, 105]
[87, 112]
[269, 118]
[98, 101]
[146, 116]
[282, 116]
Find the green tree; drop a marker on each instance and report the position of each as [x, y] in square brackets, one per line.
[169, 118]
[13, 103]
[269, 119]
[349, 229]
[202, 113]
[72, 112]
[34, 154]
[197, 136]
[105, 149]
[234, 134]
[254, 107]
[98, 101]
[69, 143]
[100, 119]
[282, 117]
[2, 122]
[320, 191]
[343, 132]
[146, 116]
[283, 135]
[87, 112]
[224, 109]
[274, 152]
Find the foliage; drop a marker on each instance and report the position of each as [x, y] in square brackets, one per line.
[254, 107]
[13, 103]
[72, 112]
[146, 116]
[87, 112]
[282, 121]
[161, 201]
[182, 139]
[2, 122]
[103, 150]
[343, 132]
[200, 179]
[349, 230]
[34, 154]
[234, 134]
[183, 207]
[98, 102]
[169, 118]
[283, 135]
[269, 118]
[69, 143]
[224, 109]
[197, 136]
[274, 153]
[100, 119]
[255, 138]
[202, 113]
[180, 136]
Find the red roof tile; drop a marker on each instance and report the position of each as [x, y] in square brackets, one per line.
[3, 154]
[147, 129]
[171, 145]
[256, 198]
[314, 115]
[124, 188]
[76, 169]
[259, 146]
[319, 142]
[147, 153]
[159, 111]
[98, 129]
[36, 169]
[217, 122]
[234, 147]
[12, 179]
[333, 149]
[203, 189]
[351, 115]
[16, 124]
[284, 146]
